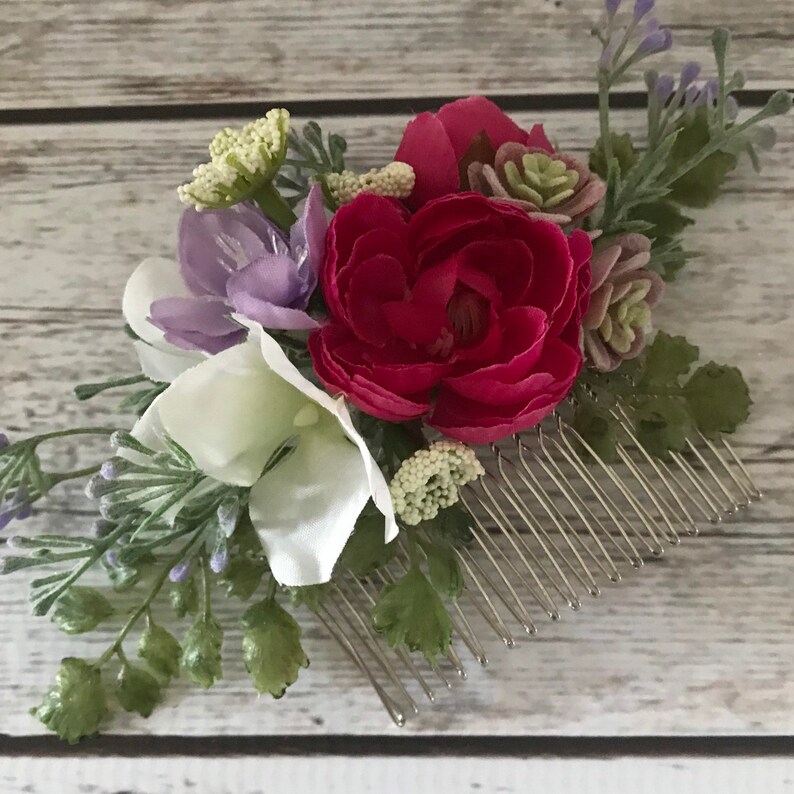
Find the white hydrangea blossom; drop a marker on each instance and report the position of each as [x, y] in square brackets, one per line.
[242, 161]
[429, 480]
[395, 179]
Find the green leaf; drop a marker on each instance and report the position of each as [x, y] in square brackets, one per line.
[667, 359]
[444, 569]
[703, 184]
[160, 649]
[75, 706]
[718, 398]
[272, 650]
[622, 149]
[451, 525]
[367, 549]
[137, 690]
[663, 424]
[598, 428]
[310, 596]
[410, 612]
[81, 609]
[201, 656]
[184, 597]
[666, 219]
[242, 577]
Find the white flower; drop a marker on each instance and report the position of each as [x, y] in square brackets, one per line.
[233, 410]
[395, 179]
[153, 279]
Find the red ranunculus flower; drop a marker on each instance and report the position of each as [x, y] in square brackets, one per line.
[468, 312]
[439, 146]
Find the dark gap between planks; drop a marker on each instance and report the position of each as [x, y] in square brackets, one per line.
[413, 746]
[404, 106]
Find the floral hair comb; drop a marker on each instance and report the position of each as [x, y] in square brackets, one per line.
[421, 402]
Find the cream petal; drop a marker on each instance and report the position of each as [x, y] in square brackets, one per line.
[164, 366]
[277, 360]
[230, 413]
[306, 508]
[153, 279]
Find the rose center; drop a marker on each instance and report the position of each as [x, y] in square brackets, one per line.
[468, 314]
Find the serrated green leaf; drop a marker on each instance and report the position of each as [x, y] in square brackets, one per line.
[703, 184]
[310, 596]
[184, 597]
[75, 706]
[718, 398]
[366, 548]
[160, 649]
[201, 655]
[444, 570]
[667, 359]
[666, 219]
[663, 424]
[137, 690]
[242, 577]
[622, 149]
[451, 525]
[410, 612]
[598, 428]
[272, 651]
[81, 609]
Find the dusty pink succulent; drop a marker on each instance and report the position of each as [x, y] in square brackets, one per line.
[623, 292]
[543, 181]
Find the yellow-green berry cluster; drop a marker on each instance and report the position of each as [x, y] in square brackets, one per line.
[395, 180]
[429, 480]
[242, 161]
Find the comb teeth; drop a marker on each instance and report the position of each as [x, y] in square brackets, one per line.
[548, 531]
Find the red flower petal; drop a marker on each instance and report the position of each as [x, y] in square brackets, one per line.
[376, 282]
[426, 147]
[536, 139]
[465, 118]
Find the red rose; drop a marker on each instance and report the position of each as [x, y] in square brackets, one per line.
[437, 145]
[468, 312]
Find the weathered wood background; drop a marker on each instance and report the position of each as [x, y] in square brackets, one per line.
[700, 643]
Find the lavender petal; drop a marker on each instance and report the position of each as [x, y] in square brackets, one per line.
[180, 571]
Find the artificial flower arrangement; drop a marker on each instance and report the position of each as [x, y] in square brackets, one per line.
[318, 363]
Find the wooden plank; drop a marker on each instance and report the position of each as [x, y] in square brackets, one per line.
[393, 776]
[697, 643]
[67, 53]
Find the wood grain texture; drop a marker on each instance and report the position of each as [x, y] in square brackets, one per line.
[699, 642]
[66, 53]
[394, 776]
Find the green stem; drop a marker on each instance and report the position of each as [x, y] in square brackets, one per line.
[143, 608]
[413, 550]
[206, 584]
[85, 391]
[272, 586]
[603, 116]
[57, 478]
[273, 204]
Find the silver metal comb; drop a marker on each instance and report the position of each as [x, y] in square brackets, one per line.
[548, 531]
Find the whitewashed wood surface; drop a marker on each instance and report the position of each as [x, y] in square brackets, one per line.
[394, 776]
[63, 53]
[698, 644]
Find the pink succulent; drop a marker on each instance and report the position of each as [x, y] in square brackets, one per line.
[623, 292]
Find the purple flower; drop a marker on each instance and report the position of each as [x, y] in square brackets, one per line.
[612, 6]
[642, 8]
[4, 442]
[658, 41]
[219, 560]
[180, 571]
[665, 86]
[690, 72]
[236, 260]
[17, 507]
